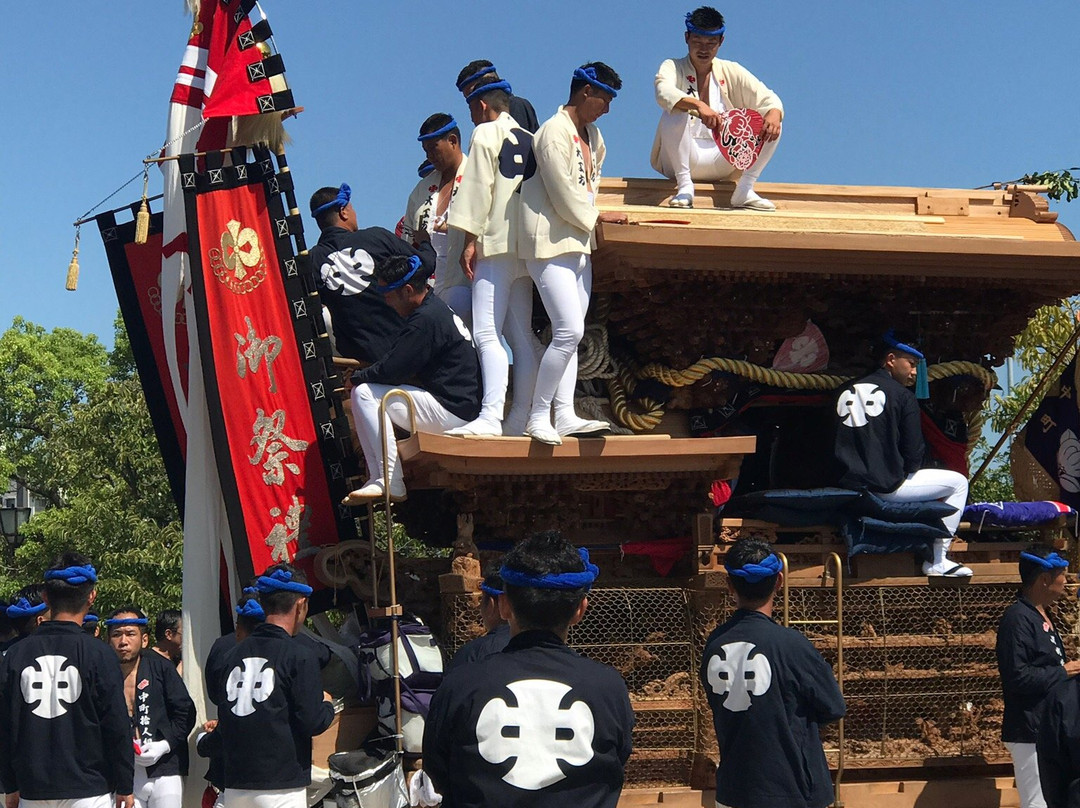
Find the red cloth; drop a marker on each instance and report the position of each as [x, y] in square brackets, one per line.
[663, 553]
[720, 493]
[950, 452]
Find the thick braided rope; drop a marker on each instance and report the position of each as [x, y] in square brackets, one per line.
[793, 381]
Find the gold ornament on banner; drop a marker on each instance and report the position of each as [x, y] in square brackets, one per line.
[142, 219]
[73, 267]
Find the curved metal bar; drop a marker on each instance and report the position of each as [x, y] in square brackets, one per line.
[394, 608]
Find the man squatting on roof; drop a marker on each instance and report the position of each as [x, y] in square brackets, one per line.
[684, 149]
[485, 217]
[769, 691]
[572, 715]
[558, 215]
[1031, 661]
[428, 208]
[435, 349]
[65, 735]
[159, 708]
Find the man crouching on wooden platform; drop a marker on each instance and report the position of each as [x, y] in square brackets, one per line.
[435, 350]
[769, 690]
[537, 724]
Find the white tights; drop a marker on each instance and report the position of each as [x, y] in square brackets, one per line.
[502, 305]
[685, 158]
[431, 416]
[564, 283]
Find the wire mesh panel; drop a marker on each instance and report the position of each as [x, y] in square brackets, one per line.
[920, 671]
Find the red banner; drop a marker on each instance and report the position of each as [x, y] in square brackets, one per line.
[268, 389]
[136, 271]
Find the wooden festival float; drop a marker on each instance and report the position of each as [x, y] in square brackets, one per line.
[689, 306]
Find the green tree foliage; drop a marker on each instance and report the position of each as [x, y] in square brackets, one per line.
[93, 453]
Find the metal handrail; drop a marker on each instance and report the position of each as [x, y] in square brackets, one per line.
[838, 579]
[393, 610]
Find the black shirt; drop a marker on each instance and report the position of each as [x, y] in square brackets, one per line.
[365, 327]
[65, 733]
[522, 111]
[879, 438]
[482, 647]
[163, 712]
[1031, 661]
[269, 696]
[535, 725]
[769, 690]
[1058, 745]
[435, 352]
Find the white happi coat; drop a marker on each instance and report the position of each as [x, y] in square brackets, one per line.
[558, 212]
[419, 216]
[739, 89]
[486, 202]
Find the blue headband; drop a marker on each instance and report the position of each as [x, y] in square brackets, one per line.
[562, 580]
[487, 88]
[414, 262]
[425, 168]
[90, 618]
[76, 576]
[281, 581]
[490, 590]
[752, 573]
[889, 338]
[250, 590]
[22, 608]
[1051, 562]
[344, 194]
[251, 608]
[438, 133]
[693, 29]
[922, 376]
[588, 75]
[113, 622]
[483, 71]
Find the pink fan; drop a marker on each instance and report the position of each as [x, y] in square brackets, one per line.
[739, 136]
[805, 353]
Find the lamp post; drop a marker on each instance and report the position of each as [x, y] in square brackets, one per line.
[11, 519]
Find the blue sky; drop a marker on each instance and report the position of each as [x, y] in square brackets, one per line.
[933, 94]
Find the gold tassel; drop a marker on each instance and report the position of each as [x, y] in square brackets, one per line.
[73, 267]
[142, 219]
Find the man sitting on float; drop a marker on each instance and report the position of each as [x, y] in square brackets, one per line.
[434, 350]
[879, 443]
[695, 91]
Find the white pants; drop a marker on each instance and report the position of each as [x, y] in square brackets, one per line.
[431, 416]
[459, 299]
[502, 306]
[1026, 771]
[927, 484]
[564, 283]
[165, 791]
[101, 801]
[687, 159]
[257, 798]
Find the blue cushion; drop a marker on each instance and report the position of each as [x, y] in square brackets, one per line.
[872, 505]
[867, 535]
[802, 499]
[797, 517]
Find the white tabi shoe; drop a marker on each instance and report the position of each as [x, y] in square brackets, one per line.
[543, 433]
[681, 201]
[749, 200]
[477, 427]
[580, 426]
[946, 569]
[373, 491]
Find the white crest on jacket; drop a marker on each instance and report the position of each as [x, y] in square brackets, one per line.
[249, 685]
[736, 674]
[859, 404]
[537, 733]
[50, 685]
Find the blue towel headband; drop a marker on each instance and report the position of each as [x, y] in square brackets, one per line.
[562, 580]
[343, 196]
[752, 573]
